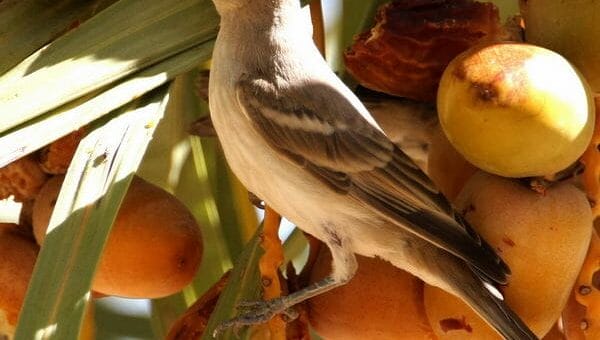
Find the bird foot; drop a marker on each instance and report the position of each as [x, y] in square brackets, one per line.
[256, 312]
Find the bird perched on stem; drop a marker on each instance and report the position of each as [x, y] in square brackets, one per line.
[298, 138]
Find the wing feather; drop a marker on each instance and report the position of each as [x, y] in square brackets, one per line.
[319, 128]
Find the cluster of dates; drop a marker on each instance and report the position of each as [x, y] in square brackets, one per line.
[154, 249]
[516, 121]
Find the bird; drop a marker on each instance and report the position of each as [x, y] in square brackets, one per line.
[297, 137]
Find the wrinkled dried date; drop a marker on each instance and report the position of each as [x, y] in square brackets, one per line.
[413, 42]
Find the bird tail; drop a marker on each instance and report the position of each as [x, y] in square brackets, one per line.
[487, 301]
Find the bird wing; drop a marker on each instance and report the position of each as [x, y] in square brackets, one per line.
[318, 127]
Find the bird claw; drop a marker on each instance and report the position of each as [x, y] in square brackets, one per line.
[256, 312]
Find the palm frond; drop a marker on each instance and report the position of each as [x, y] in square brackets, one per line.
[94, 187]
[121, 40]
[27, 25]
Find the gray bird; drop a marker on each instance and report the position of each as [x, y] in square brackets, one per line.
[298, 138]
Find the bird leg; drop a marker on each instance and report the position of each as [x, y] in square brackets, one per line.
[256, 312]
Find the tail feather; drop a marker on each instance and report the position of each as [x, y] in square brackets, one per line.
[482, 298]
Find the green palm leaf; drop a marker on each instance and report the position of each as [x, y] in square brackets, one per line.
[93, 189]
[121, 40]
[27, 25]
